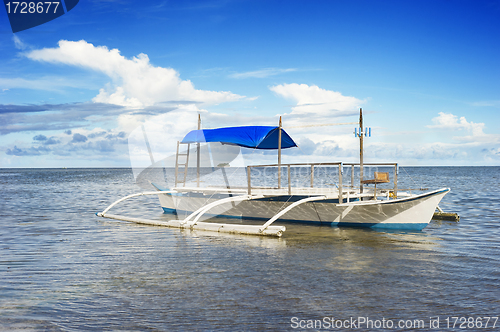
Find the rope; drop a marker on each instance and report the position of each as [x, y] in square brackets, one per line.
[409, 176]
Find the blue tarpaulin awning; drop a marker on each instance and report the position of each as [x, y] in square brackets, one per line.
[255, 137]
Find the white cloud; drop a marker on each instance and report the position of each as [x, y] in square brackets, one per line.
[165, 128]
[486, 103]
[162, 132]
[262, 73]
[313, 115]
[136, 82]
[477, 136]
[312, 100]
[85, 144]
[46, 83]
[450, 121]
[19, 44]
[117, 98]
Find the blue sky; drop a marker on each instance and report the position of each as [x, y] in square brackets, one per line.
[75, 91]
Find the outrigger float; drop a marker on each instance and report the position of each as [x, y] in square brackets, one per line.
[341, 204]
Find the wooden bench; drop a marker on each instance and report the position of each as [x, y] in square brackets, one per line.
[379, 177]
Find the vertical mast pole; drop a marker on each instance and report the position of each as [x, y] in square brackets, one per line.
[361, 134]
[198, 155]
[279, 154]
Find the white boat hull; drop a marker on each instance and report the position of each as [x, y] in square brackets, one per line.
[411, 213]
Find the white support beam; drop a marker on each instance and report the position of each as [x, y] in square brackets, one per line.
[291, 206]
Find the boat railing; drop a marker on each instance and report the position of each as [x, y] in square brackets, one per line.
[395, 173]
[342, 184]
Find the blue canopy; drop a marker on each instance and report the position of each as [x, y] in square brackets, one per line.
[256, 137]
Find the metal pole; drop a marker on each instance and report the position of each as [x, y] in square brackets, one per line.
[396, 181]
[279, 155]
[198, 155]
[312, 176]
[361, 134]
[340, 183]
[249, 181]
[176, 164]
[289, 182]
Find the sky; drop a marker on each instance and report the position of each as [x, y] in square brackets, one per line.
[83, 89]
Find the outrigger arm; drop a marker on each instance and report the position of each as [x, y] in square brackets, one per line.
[204, 209]
[288, 208]
[196, 225]
[102, 214]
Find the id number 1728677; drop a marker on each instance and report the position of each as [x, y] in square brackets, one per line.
[471, 322]
[31, 7]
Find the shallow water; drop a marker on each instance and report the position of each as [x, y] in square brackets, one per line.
[64, 269]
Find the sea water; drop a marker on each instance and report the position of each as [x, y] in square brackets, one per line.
[64, 269]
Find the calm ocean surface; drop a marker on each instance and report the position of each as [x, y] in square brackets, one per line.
[64, 269]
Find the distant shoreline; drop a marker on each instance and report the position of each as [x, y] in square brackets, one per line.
[122, 167]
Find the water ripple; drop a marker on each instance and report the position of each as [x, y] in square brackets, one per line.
[63, 269]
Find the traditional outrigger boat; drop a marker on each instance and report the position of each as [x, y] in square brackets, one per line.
[343, 203]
